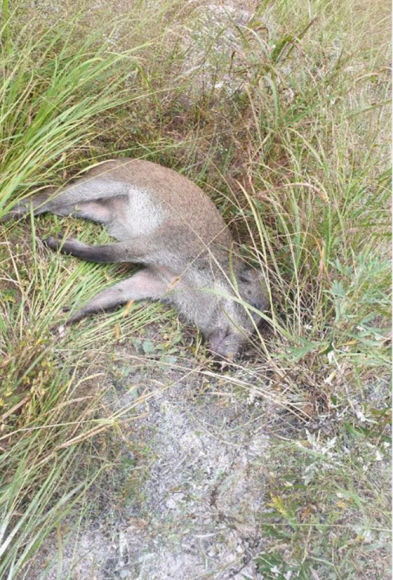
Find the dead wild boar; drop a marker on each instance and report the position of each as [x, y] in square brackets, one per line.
[168, 225]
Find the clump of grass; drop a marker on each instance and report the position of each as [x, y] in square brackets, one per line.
[318, 213]
[53, 92]
[42, 478]
[317, 184]
[319, 521]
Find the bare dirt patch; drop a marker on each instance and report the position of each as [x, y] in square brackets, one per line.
[192, 495]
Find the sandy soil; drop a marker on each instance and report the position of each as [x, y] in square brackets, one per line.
[198, 459]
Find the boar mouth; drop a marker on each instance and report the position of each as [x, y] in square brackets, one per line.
[224, 344]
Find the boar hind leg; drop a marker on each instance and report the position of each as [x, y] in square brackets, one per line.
[145, 284]
[102, 211]
[93, 198]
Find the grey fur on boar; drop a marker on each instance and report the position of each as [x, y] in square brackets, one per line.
[166, 223]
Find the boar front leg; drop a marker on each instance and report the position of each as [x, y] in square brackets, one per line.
[130, 252]
[145, 284]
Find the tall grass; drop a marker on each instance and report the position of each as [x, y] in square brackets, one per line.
[53, 90]
[318, 213]
[320, 193]
[57, 82]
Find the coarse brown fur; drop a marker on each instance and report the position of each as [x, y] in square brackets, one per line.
[166, 223]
